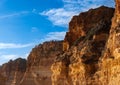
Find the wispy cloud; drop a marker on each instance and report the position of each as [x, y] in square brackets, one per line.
[12, 45]
[13, 14]
[61, 16]
[54, 36]
[6, 57]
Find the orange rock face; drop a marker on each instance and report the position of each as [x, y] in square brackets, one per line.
[110, 66]
[86, 38]
[34, 71]
[89, 54]
[12, 72]
[39, 62]
[81, 24]
[2, 80]
[117, 7]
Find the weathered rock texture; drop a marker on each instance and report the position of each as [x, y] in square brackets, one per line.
[110, 63]
[2, 80]
[89, 54]
[12, 72]
[34, 71]
[84, 47]
[39, 62]
[80, 25]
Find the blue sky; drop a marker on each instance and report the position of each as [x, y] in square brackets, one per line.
[26, 23]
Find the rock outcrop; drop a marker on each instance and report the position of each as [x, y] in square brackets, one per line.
[12, 72]
[39, 62]
[83, 47]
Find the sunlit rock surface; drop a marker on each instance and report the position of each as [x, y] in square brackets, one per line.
[39, 62]
[83, 48]
[89, 54]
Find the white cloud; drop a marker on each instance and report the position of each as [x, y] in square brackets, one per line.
[61, 16]
[54, 36]
[6, 57]
[12, 45]
[13, 14]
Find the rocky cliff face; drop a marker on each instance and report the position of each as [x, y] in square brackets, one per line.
[2, 80]
[110, 62]
[34, 71]
[12, 72]
[89, 54]
[80, 25]
[84, 46]
[39, 62]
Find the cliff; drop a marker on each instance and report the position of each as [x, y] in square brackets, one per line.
[80, 25]
[110, 63]
[12, 72]
[34, 71]
[39, 62]
[84, 46]
[94, 59]
[89, 54]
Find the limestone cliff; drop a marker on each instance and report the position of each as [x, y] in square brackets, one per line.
[84, 47]
[39, 62]
[12, 72]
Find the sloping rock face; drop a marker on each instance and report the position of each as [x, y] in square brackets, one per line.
[84, 47]
[12, 72]
[39, 62]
